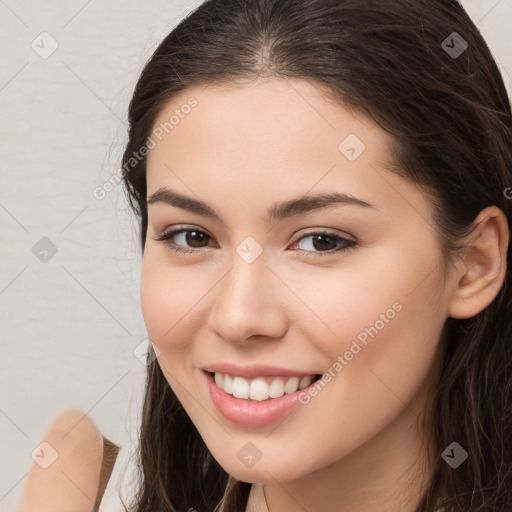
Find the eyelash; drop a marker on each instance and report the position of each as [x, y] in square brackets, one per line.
[168, 235]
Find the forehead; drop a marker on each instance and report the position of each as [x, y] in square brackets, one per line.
[271, 137]
[265, 111]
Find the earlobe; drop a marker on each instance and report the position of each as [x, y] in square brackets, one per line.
[485, 265]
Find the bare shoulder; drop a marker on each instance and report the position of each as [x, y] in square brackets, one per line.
[65, 475]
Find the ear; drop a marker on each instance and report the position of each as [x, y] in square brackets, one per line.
[483, 266]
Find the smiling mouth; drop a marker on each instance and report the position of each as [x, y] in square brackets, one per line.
[261, 389]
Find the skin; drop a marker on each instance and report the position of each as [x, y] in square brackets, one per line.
[72, 482]
[357, 444]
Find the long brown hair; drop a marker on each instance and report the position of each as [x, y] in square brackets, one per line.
[442, 98]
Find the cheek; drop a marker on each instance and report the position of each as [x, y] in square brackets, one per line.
[374, 292]
[155, 302]
[347, 304]
[175, 301]
[385, 317]
[379, 357]
[167, 300]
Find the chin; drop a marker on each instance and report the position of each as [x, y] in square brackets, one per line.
[262, 472]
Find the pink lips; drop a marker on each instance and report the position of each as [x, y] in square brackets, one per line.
[252, 414]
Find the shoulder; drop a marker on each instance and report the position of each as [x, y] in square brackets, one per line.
[69, 471]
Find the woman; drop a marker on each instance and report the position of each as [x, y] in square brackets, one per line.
[323, 190]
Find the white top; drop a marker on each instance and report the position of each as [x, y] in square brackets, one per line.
[256, 501]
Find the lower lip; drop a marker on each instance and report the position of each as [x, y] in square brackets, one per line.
[252, 414]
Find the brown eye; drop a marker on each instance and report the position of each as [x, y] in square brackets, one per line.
[194, 238]
[325, 243]
[191, 241]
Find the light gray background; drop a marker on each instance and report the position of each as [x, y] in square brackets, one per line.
[70, 324]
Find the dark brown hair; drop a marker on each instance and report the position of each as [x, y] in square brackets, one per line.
[450, 119]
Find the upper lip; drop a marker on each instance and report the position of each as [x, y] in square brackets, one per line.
[254, 370]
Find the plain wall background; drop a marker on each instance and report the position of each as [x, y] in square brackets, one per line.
[70, 325]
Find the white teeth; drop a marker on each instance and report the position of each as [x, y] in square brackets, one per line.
[227, 385]
[305, 382]
[292, 385]
[260, 388]
[240, 388]
[276, 388]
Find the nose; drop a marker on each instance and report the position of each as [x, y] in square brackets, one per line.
[248, 302]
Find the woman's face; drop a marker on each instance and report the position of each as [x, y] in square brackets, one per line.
[282, 290]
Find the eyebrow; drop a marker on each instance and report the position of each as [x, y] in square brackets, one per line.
[277, 211]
